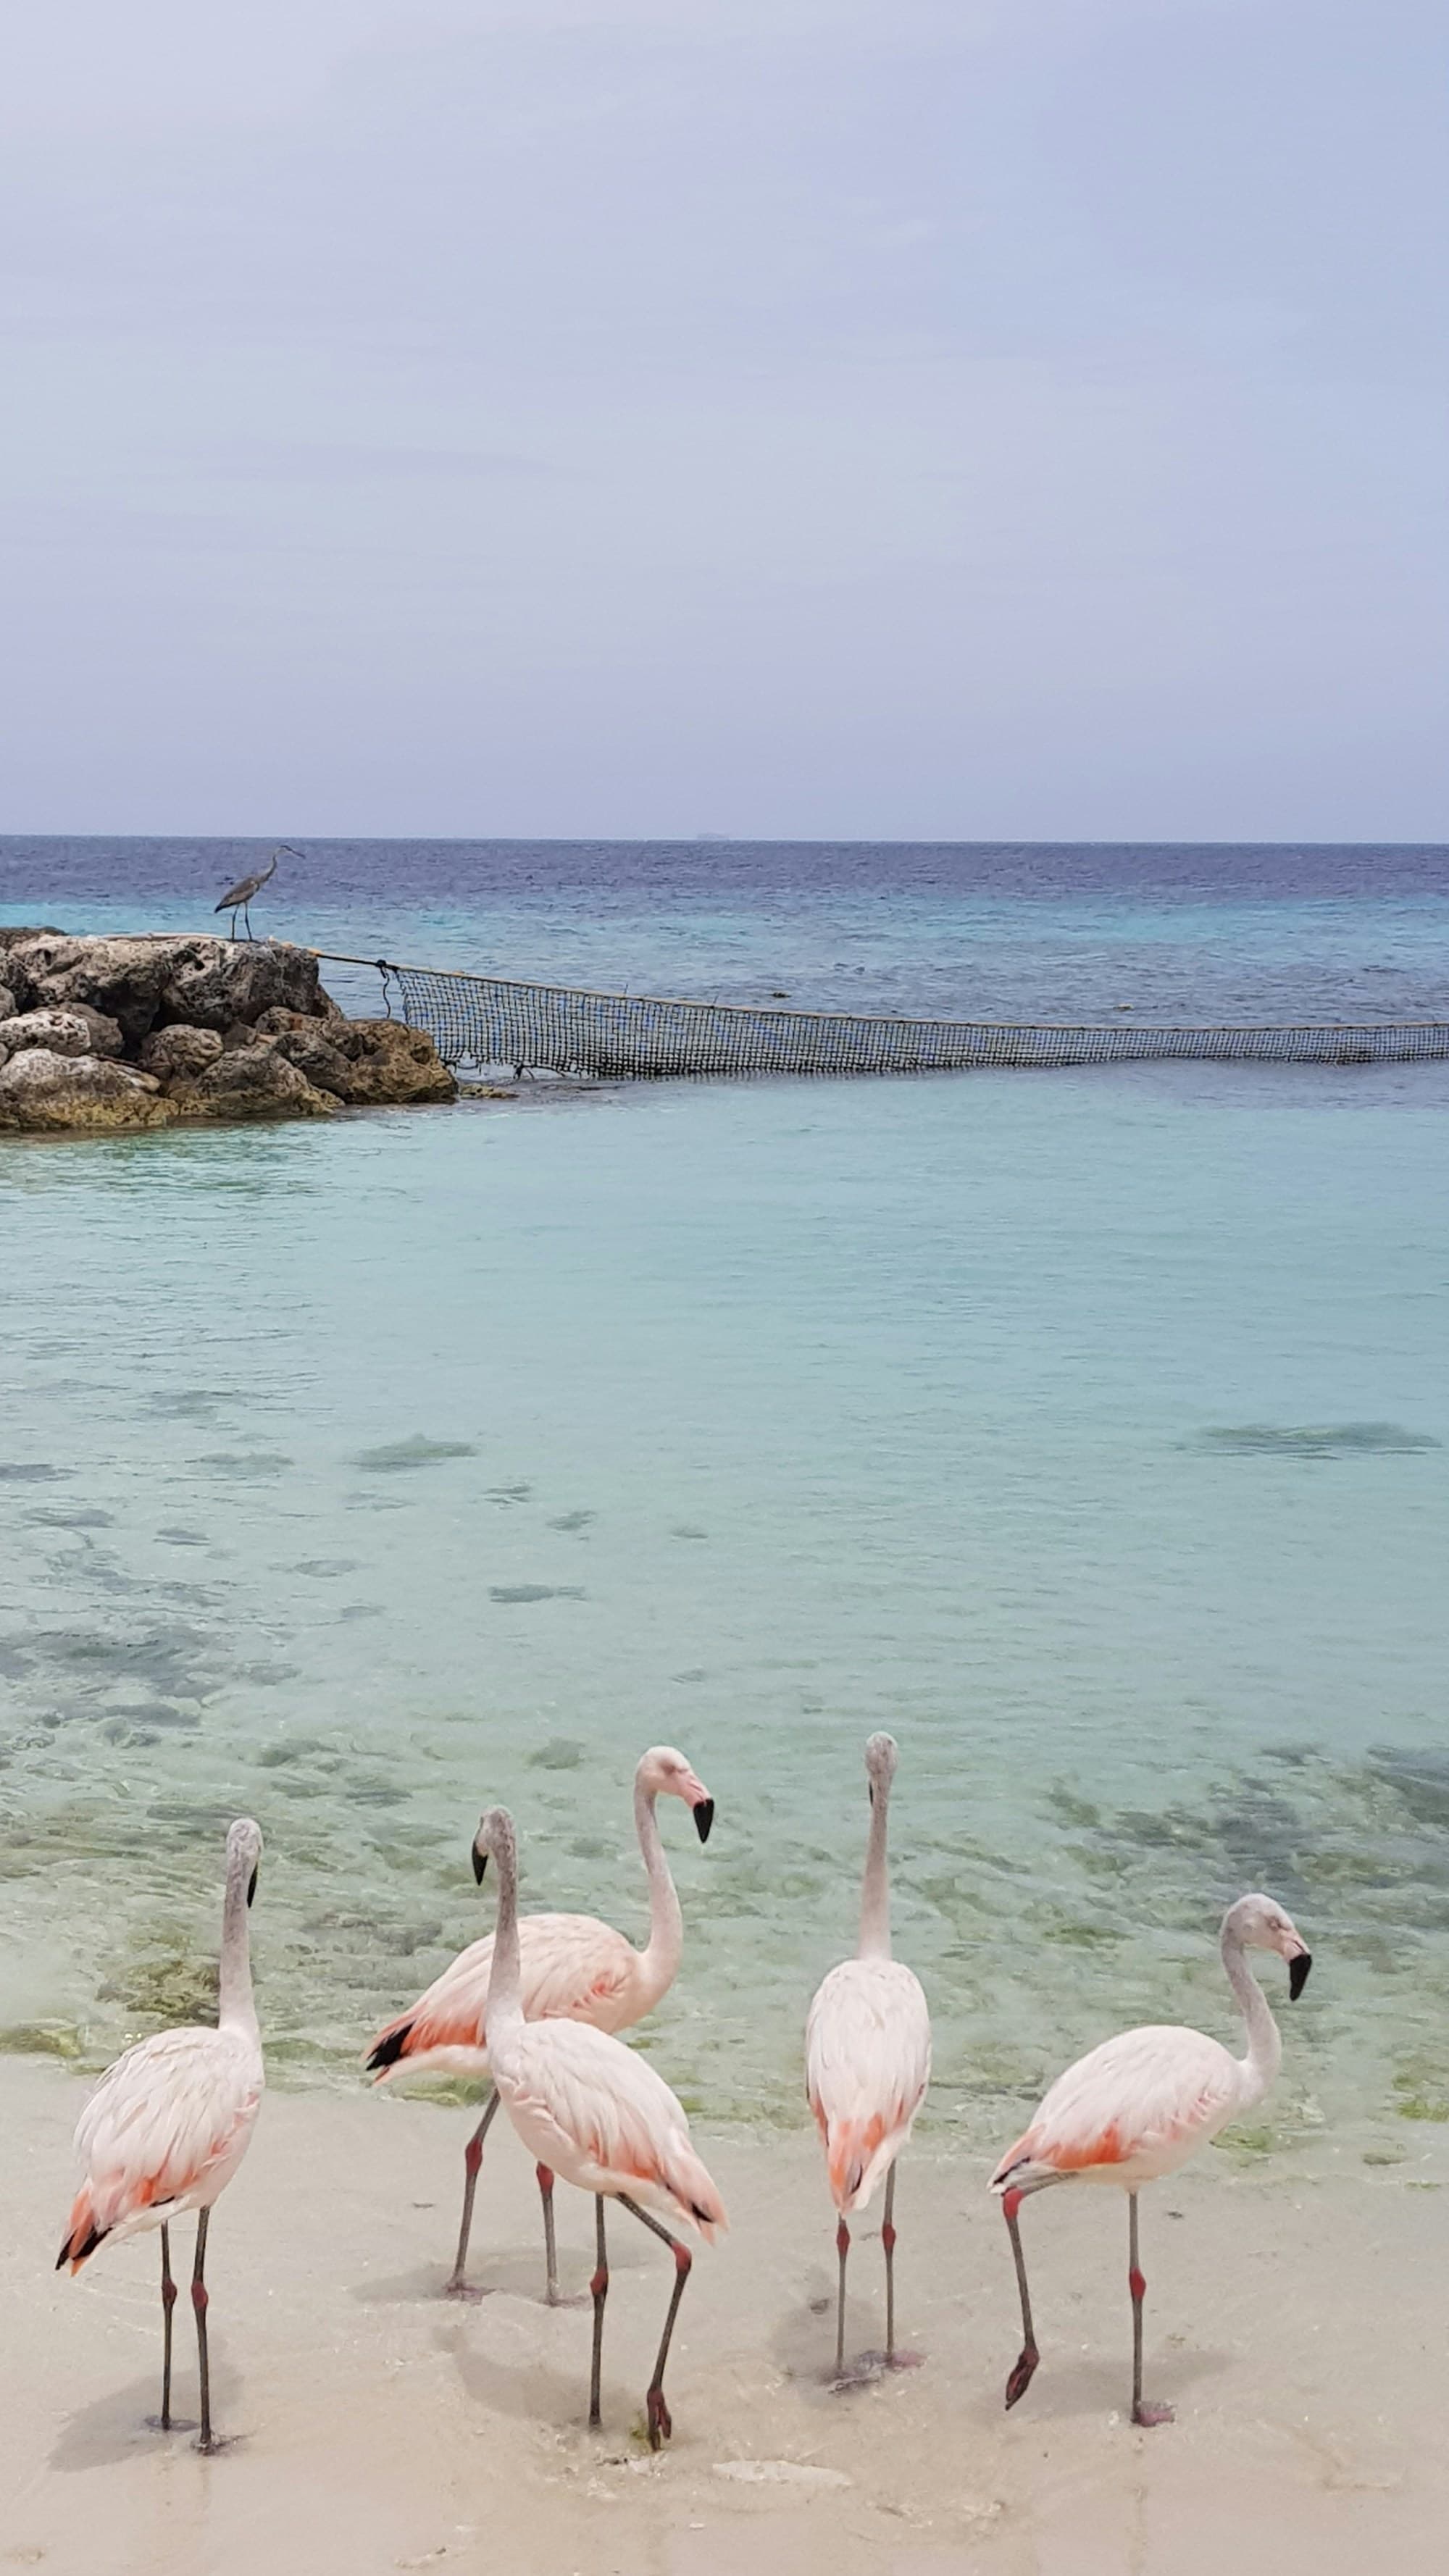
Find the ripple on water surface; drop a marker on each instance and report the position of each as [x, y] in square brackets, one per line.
[1088, 1433]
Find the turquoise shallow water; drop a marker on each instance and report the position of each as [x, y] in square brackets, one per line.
[1092, 1432]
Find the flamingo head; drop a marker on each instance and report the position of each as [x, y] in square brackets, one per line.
[663, 1773]
[494, 1838]
[881, 1756]
[244, 1852]
[1260, 1923]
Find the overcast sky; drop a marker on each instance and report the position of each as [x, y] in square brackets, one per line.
[800, 418]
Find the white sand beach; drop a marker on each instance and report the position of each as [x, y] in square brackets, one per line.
[1294, 2320]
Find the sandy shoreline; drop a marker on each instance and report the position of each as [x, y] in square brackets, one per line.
[1296, 2323]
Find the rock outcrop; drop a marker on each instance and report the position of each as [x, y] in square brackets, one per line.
[75, 1031]
[46, 1093]
[98, 1033]
[253, 1082]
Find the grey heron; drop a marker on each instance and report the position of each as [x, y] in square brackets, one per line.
[237, 898]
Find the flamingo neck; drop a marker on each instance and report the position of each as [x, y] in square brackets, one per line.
[659, 1961]
[237, 2007]
[875, 1894]
[504, 2010]
[1265, 2047]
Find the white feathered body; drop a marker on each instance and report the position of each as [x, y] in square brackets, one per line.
[867, 2065]
[1130, 2111]
[163, 2132]
[595, 2112]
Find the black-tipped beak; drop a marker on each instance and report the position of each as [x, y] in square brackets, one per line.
[251, 1886]
[480, 1863]
[704, 1818]
[1298, 1975]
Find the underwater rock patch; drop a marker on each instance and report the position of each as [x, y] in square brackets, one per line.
[1315, 1440]
[416, 1452]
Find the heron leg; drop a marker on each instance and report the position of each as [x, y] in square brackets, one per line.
[200, 2302]
[456, 2286]
[168, 2302]
[1143, 2411]
[657, 2413]
[550, 2242]
[599, 2289]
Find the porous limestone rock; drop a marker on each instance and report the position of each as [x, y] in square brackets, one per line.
[390, 1064]
[76, 1031]
[49, 1093]
[252, 1082]
[179, 1053]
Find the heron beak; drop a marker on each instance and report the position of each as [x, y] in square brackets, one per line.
[703, 1818]
[252, 1884]
[1298, 1974]
[480, 1863]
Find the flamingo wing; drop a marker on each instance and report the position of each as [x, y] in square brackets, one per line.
[1134, 2107]
[164, 2130]
[867, 2065]
[573, 1968]
[598, 2113]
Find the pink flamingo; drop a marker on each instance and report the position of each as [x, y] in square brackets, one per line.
[169, 2123]
[574, 1969]
[588, 2108]
[868, 2060]
[1141, 2104]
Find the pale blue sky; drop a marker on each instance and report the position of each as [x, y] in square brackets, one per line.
[865, 418]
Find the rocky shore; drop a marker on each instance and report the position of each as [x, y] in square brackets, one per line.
[100, 1034]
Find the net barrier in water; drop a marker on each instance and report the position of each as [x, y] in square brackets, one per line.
[490, 1020]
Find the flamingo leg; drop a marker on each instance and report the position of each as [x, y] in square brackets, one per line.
[200, 2302]
[1021, 2376]
[888, 2240]
[550, 2242]
[599, 2288]
[1143, 2411]
[842, 2248]
[659, 2420]
[168, 2302]
[456, 2286]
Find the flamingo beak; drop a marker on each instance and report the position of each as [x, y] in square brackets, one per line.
[703, 1817]
[252, 1885]
[480, 1863]
[1298, 1974]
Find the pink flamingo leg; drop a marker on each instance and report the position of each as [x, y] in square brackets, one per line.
[599, 2291]
[660, 2422]
[1143, 2411]
[842, 2248]
[1027, 2359]
[456, 2286]
[550, 2247]
[200, 2302]
[168, 2302]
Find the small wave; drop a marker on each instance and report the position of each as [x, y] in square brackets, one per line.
[1314, 1440]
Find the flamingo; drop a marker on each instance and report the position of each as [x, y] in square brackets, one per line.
[588, 2108]
[574, 1968]
[868, 2059]
[1141, 2104]
[169, 2123]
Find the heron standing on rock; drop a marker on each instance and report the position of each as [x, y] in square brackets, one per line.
[237, 898]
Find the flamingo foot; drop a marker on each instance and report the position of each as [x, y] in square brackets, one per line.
[556, 2298]
[458, 2288]
[167, 2424]
[661, 2422]
[872, 2364]
[1022, 2374]
[1146, 2414]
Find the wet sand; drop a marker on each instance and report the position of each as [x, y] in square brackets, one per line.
[1295, 2318]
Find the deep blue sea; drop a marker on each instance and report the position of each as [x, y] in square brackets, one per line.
[1089, 1429]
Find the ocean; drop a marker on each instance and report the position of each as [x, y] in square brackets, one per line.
[1089, 1430]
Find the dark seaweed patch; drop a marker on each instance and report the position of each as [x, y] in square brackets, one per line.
[521, 1592]
[1314, 1440]
[399, 1455]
